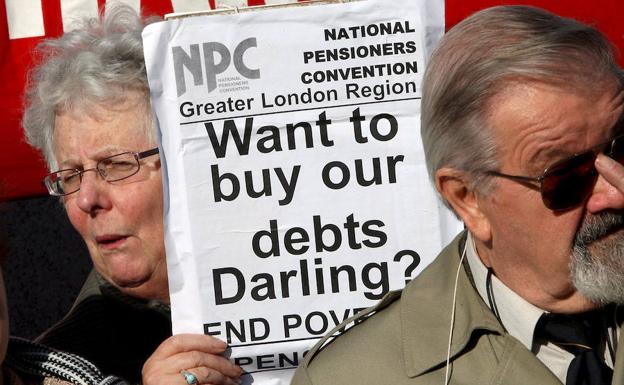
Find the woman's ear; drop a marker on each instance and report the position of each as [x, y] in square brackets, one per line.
[453, 185]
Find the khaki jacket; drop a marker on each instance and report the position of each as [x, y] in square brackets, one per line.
[405, 340]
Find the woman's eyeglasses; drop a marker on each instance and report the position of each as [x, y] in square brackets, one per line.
[111, 169]
[568, 182]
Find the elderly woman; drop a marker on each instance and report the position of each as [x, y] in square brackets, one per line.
[88, 112]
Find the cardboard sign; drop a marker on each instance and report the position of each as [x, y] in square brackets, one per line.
[297, 192]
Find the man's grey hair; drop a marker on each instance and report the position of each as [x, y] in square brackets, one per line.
[482, 54]
[97, 64]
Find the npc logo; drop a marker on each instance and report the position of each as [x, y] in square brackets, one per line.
[201, 63]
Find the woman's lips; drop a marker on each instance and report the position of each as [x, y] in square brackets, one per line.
[110, 241]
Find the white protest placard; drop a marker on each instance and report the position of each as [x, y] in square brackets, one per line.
[296, 188]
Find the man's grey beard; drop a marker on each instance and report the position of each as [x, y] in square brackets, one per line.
[598, 273]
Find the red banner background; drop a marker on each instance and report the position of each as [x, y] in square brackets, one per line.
[21, 168]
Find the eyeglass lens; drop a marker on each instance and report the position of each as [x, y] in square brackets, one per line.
[118, 167]
[112, 169]
[569, 183]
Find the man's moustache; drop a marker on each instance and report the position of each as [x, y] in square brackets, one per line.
[598, 226]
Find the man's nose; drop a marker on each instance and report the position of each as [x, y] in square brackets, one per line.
[608, 193]
[92, 195]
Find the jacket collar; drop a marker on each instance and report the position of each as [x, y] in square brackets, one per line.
[433, 292]
[98, 285]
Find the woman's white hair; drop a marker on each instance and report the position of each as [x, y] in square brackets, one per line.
[97, 64]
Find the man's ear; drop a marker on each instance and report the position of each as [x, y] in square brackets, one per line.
[453, 185]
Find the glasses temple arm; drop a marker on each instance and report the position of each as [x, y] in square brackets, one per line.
[147, 153]
[524, 179]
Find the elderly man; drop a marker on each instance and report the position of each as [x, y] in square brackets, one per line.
[519, 109]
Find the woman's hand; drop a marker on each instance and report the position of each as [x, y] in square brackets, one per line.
[195, 354]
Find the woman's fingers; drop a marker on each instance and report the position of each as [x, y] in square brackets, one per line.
[194, 359]
[189, 342]
[194, 353]
[206, 375]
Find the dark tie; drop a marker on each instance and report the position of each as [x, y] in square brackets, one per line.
[582, 335]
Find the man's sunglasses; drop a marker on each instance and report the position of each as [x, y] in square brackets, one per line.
[568, 182]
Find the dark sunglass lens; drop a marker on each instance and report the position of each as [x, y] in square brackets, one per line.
[617, 149]
[568, 183]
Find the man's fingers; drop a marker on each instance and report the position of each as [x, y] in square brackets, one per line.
[611, 170]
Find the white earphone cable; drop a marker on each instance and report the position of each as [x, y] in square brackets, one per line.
[450, 338]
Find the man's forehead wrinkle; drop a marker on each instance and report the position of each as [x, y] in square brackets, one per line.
[532, 143]
[548, 149]
[619, 95]
[537, 146]
[618, 106]
[541, 138]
